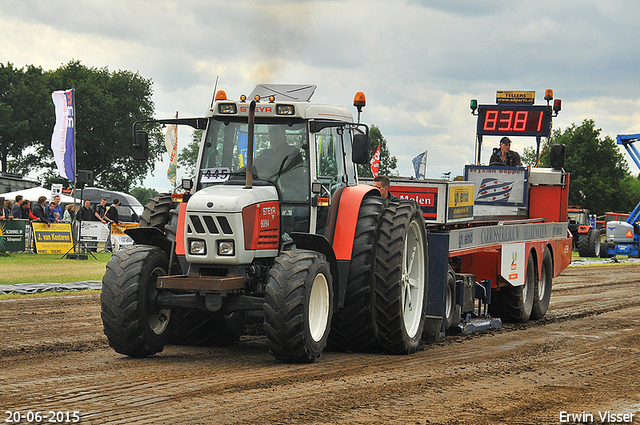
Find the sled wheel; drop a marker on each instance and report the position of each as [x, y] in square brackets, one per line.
[543, 287]
[451, 308]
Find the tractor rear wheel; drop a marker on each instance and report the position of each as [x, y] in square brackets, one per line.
[515, 303]
[583, 244]
[352, 326]
[594, 243]
[542, 294]
[157, 211]
[132, 323]
[298, 306]
[400, 283]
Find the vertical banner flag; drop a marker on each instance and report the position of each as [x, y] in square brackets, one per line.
[63, 136]
[375, 162]
[420, 165]
[171, 143]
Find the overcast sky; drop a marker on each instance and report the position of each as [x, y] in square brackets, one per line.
[418, 62]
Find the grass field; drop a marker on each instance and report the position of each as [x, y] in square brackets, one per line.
[43, 268]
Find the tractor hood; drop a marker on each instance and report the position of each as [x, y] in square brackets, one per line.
[230, 198]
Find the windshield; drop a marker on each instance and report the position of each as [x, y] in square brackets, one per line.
[280, 155]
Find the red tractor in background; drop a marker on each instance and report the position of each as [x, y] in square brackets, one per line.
[586, 238]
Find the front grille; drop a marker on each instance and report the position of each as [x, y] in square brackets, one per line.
[213, 225]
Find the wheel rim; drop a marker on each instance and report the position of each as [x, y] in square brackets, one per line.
[318, 307]
[158, 321]
[413, 279]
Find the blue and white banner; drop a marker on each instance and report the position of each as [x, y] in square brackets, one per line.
[420, 165]
[63, 134]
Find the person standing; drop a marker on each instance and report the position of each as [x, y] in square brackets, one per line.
[86, 212]
[57, 208]
[16, 211]
[70, 213]
[101, 210]
[383, 183]
[504, 155]
[112, 213]
[40, 210]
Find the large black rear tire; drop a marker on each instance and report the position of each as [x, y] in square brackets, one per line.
[131, 322]
[542, 294]
[400, 283]
[298, 306]
[156, 211]
[594, 243]
[352, 326]
[583, 244]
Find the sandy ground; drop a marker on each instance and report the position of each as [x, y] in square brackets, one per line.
[583, 358]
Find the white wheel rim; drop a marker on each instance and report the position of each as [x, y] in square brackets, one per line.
[413, 279]
[318, 307]
[159, 321]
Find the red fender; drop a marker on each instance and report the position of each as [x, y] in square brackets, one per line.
[182, 215]
[347, 219]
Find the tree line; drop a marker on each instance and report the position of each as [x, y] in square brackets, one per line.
[600, 179]
[109, 102]
[107, 105]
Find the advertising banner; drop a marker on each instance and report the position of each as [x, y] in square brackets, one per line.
[52, 239]
[504, 186]
[12, 235]
[118, 238]
[93, 231]
[62, 140]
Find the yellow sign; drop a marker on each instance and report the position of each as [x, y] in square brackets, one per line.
[460, 203]
[52, 239]
[507, 96]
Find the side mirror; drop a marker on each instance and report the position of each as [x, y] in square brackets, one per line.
[557, 155]
[360, 149]
[140, 150]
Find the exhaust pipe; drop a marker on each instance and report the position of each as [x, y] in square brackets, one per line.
[249, 168]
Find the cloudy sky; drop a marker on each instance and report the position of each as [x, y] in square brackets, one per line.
[418, 62]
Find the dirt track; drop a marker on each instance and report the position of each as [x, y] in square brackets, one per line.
[584, 356]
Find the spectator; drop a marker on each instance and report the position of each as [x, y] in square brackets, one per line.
[54, 216]
[5, 209]
[383, 183]
[58, 207]
[69, 213]
[101, 210]
[86, 212]
[40, 210]
[25, 210]
[112, 213]
[16, 211]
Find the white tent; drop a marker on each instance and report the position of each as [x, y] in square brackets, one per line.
[35, 192]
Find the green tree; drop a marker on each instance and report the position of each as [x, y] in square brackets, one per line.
[143, 194]
[107, 105]
[24, 123]
[599, 176]
[388, 163]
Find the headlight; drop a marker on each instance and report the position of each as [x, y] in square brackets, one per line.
[226, 248]
[197, 248]
[227, 108]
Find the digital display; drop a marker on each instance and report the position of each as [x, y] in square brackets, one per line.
[514, 120]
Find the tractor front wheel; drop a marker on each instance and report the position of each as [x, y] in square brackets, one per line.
[132, 323]
[298, 306]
